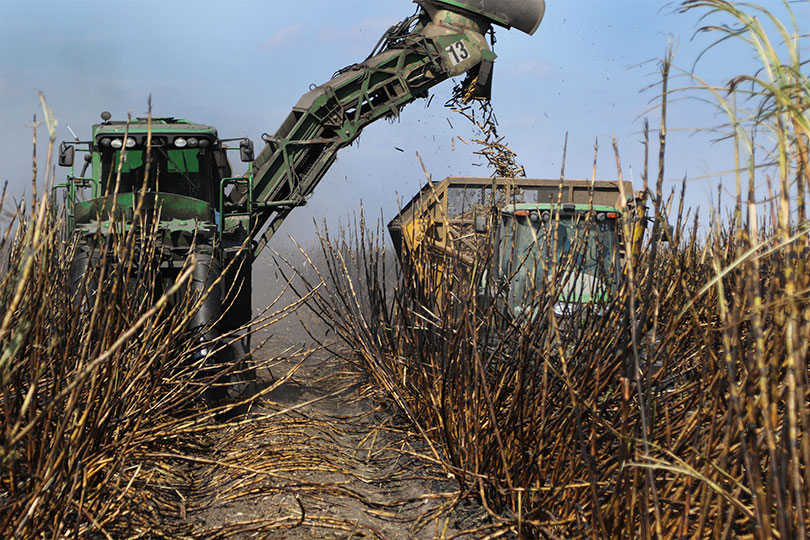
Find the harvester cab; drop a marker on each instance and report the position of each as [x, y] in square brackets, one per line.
[178, 165]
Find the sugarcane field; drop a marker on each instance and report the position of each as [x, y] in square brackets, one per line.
[554, 281]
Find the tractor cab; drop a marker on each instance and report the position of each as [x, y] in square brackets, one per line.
[570, 248]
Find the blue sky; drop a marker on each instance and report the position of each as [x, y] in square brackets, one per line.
[240, 65]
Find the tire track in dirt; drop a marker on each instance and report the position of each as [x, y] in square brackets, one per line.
[320, 457]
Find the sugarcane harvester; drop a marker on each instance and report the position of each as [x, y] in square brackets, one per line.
[228, 220]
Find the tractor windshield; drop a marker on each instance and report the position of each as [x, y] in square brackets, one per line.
[187, 172]
[578, 250]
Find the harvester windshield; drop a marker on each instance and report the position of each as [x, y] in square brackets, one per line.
[579, 250]
[187, 172]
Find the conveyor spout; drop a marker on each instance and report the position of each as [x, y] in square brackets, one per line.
[525, 15]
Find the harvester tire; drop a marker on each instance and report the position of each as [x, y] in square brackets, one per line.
[83, 277]
[240, 380]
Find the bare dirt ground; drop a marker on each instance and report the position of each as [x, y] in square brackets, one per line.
[322, 457]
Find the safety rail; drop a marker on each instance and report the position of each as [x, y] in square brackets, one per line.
[70, 186]
[248, 208]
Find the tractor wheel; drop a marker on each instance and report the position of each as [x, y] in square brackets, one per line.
[239, 382]
[83, 277]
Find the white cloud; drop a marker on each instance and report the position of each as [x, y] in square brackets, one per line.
[283, 37]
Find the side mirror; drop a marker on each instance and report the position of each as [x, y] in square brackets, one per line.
[246, 150]
[481, 224]
[67, 153]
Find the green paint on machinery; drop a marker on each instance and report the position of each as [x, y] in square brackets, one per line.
[229, 219]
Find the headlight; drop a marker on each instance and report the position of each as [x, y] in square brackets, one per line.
[569, 309]
[117, 143]
[180, 142]
[199, 355]
[130, 142]
[563, 309]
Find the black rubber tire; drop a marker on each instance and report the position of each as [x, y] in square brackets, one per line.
[237, 384]
[206, 271]
[240, 382]
[83, 277]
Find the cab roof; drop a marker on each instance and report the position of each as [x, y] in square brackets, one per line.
[158, 125]
[566, 207]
